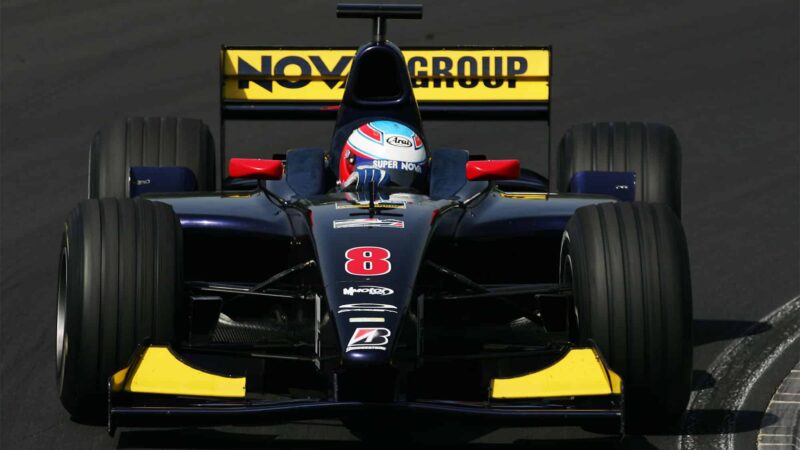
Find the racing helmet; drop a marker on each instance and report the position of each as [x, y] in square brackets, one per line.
[386, 153]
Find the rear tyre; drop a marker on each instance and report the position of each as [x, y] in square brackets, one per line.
[150, 142]
[120, 283]
[649, 149]
[628, 266]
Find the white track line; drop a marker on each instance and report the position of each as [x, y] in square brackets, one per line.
[722, 365]
[785, 406]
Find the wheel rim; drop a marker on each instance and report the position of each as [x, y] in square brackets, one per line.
[61, 318]
[565, 279]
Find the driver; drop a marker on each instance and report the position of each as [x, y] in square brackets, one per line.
[386, 153]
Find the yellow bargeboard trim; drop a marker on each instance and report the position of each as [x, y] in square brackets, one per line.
[465, 75]
[159, 371]
[579, 373]
[523, 195]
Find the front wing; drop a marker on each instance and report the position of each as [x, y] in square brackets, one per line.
[158, 389]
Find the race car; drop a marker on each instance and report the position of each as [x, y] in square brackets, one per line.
[380, 275]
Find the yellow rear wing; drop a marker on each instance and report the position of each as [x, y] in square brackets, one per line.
[478, 83]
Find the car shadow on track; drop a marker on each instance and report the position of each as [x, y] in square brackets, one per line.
[217, 439]
[334, 436]
[706, 421]
[707, 331]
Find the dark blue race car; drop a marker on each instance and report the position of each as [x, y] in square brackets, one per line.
[380, 275]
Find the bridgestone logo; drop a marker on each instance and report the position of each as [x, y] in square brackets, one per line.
[368, 290]
[369, 339]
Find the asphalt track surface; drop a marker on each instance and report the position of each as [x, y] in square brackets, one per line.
[724, 74]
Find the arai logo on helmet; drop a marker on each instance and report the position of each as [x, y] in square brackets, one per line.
[399, 141]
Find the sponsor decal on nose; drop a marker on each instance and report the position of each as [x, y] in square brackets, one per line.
[369, 222]
[366, 319]
[367, 290]
[367, 307]
[369, 339]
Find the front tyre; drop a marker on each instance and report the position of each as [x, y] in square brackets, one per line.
[628, 266]
[120, 283]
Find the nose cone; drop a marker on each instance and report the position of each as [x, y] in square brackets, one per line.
[369, 268]
[369, 318]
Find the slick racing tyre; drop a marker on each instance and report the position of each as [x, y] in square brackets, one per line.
[650, 150]
[119, 284]
[628, 266]
[150, 142]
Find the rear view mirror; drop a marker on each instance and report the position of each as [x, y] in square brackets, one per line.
[260, 169]
[498, 169]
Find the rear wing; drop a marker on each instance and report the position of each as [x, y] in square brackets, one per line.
[471, 83]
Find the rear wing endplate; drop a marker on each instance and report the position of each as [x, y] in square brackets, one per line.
[471, 83]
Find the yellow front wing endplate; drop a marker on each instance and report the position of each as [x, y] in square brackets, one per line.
[159, 371]
[581, 372]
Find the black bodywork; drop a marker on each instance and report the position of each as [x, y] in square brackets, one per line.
[475, 296]
[473, 292]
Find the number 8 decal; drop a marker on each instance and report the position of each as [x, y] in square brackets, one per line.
[367, 261]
